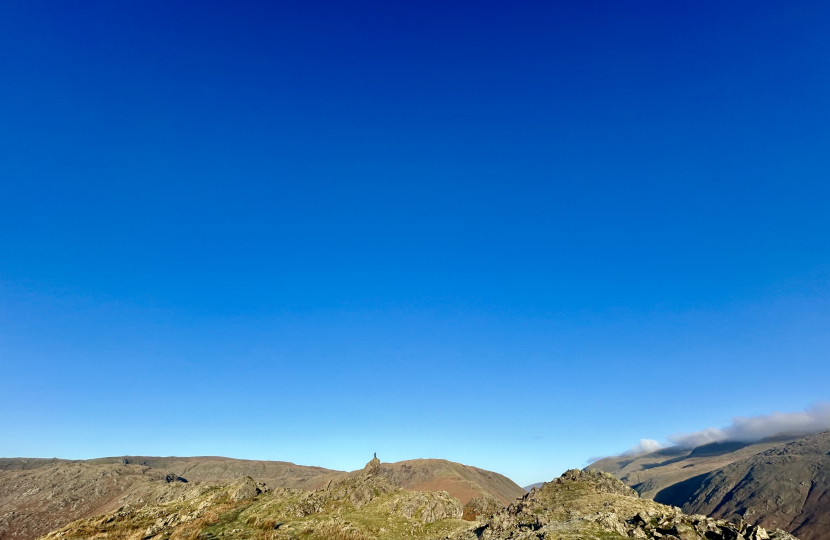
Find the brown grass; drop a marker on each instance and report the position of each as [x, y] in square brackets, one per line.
[457, 487]
[267, 524]
[333, 530]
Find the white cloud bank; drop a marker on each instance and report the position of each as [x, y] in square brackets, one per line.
[754, 428]
[646, 446]
[814, 419]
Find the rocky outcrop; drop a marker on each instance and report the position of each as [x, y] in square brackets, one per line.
[426, 506]
[582, 504]
[481, 508]
[245, 489]
[597, 481]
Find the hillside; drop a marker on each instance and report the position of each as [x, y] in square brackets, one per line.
[787, 486]
[367, 506]
[650, 473]
[222, 469]
[39, 495]
[781, 482]
[461, 481]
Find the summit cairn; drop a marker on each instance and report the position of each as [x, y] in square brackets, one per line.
[373, 467]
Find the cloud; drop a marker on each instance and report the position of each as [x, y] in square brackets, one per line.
[697, 438]
[754, 428]
[814, 419]
[646, 446]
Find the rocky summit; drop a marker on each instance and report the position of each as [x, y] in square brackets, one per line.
[582, 505]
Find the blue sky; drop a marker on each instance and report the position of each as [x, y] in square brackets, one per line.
[514, 235]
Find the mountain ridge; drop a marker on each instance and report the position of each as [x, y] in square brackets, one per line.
[40, 494]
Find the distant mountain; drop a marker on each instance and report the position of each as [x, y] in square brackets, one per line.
[531, 486]
[783, 482]
[222, 469]
[39, 495]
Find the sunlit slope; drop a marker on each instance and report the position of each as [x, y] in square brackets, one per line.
[461, 481]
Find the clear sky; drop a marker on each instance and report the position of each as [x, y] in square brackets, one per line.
[514, 234]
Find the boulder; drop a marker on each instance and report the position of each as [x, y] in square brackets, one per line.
[243, 489]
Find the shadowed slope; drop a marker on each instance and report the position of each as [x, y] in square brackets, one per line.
[779, 482]
[787, 486]
[655, 471]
